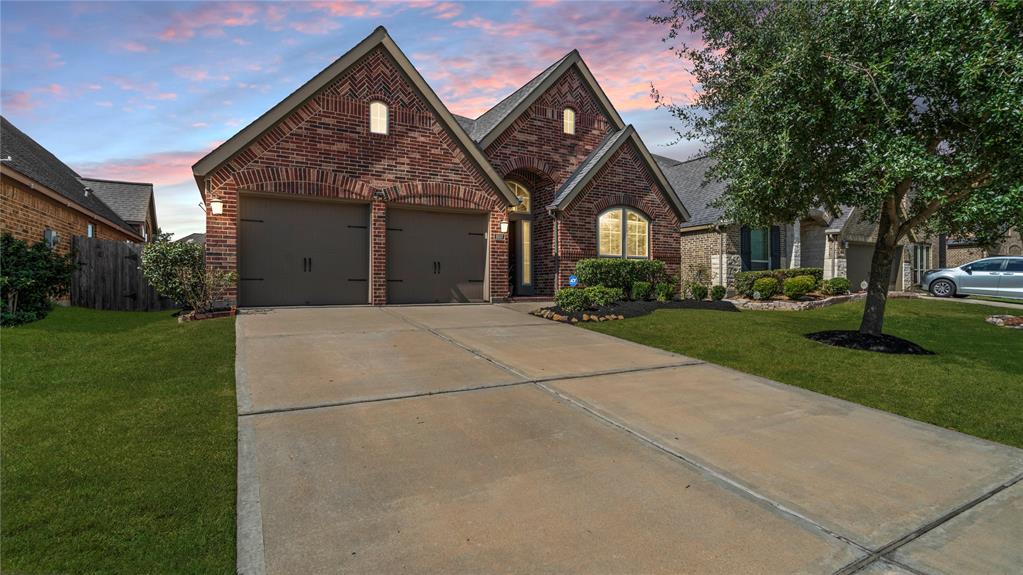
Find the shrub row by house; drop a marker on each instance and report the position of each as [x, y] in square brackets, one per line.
[609, 281]
[30, 277]
[744, 280]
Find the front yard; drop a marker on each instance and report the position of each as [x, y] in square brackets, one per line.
[974, 384]
[118, 444]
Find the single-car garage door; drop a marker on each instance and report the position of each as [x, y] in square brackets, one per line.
[435, 256]
[302, 252]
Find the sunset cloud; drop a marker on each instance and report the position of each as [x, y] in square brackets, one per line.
[132, 46]
[159, 168]
[19, 100]
[210, 19]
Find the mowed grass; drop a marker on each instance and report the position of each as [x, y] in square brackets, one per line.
[974, 384]
[118, 444]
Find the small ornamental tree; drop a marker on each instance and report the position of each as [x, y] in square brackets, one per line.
[912, 111]
[30, 277]
[172, 267]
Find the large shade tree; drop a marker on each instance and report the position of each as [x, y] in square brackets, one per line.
[911, 110]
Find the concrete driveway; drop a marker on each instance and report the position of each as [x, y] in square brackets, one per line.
[480, 439]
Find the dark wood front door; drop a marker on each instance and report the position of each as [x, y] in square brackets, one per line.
[435, 257]
[302, 252]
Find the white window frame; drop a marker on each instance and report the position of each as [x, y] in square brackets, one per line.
[379, 118]
[623, 240]
[568, 121]
[90, 230]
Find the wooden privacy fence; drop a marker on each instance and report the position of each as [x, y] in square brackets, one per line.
[108, 277]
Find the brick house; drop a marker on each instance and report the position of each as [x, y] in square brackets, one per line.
[361, 187]
[841, 243]
[45, 200]
[961, 251]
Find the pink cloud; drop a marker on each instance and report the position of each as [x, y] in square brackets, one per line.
[209, 19]
[51, 89]
[447, 10]
[315, 27]
[20, 101]
[198, 74]
[147, 89]
[160, 168]
[132, 46]
[348, 9]
[513, 29]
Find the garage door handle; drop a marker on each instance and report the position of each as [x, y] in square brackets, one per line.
[305, 264]
[310, 264]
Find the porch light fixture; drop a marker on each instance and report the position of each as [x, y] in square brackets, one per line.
[504, 227]
[216, 207]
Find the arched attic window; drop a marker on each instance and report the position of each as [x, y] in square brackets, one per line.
[378, 119]
[623, 232]
[568, 120]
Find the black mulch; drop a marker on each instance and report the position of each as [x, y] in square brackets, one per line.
[879, 343]
[637, 308]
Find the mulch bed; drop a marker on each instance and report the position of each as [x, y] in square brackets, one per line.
[879, 343]
[627, 309]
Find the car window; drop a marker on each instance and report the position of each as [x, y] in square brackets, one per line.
[987, 266]
[1015, 265]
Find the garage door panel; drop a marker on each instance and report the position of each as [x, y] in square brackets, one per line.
[435, 256]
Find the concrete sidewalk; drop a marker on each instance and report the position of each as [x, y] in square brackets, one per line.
[471, 439]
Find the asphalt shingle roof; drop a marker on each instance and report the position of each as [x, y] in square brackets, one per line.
[689, 180]
[196, 238]
[588, 164]
[492, 117]
[130, 200]
[466, 123]
[30, 159]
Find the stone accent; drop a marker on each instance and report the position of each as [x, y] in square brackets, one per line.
[27, 213]
[731, 266]
[834, 259]
[787, 305]
[1010, 321]
[796, 250]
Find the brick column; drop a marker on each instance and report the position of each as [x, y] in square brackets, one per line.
[498, 257]
[222, 236]
[378, 253]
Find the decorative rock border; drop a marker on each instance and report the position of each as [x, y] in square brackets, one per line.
[788, 305]
[209, 315]
[1009, 321]
[553, 316]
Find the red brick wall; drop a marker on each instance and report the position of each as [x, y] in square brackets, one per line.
[625, 180]
[535, 152]
[325, 149]
[26, 213]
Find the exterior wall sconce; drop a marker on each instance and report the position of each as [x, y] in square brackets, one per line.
[216, 207]
[504, 227]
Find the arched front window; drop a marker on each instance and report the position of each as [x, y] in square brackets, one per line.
[569, 120]
[623, 232]
[522, 193]
[378, 117]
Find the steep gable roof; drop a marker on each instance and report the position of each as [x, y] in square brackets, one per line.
[599, 157]
[379, 38]
[30, 159]
[130, 200]
[496, 120]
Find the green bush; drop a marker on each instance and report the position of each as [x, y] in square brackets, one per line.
[572, 299]
[744, 280]
[641, 291]
[173, 268]
[665, 290]
[799, 286]
[603, 296]
[765, 287]
[698, 291]
[30, 277]
[618, 272]
[835, 286]
[717, 293]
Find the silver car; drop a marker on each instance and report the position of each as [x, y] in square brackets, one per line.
[997, 276]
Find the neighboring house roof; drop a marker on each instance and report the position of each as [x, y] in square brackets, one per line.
[196, 238]
[378, 39]
[130, 200]
[589, 168]
[496, 120]
[689, 180]
[27, 157]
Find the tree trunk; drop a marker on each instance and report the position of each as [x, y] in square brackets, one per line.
[880, 272]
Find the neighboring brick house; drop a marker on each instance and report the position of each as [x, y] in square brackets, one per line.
[361, 187]
[133, 201]
[961, 251]
[45, 200]
[842, 244]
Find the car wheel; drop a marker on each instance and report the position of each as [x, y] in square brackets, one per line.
[943, 288]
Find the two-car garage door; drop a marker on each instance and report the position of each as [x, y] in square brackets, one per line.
[304, 252]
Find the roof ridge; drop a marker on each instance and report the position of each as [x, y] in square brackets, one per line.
[115, 181]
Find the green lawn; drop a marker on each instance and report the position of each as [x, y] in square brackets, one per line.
[974, 384]
[118, 443]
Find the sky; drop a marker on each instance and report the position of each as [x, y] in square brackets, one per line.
[140, 91]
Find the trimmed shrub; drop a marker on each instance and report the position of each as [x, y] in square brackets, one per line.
[835, 286]
[765, 287]
[618, 272]
[799, 286]
[30, 277]
[744, 280]
[641, 291]
[698, 291]
[603, 296]
[172, 268]
[665, 290]
[572, 299]
[717, 293]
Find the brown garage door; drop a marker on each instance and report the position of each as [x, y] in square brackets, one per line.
[302, 252]
[435, 256]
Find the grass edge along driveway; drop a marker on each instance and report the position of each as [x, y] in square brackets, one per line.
[974, 384]
[118, 444]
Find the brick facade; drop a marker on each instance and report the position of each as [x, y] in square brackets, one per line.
[27, 213]
[324, 149]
